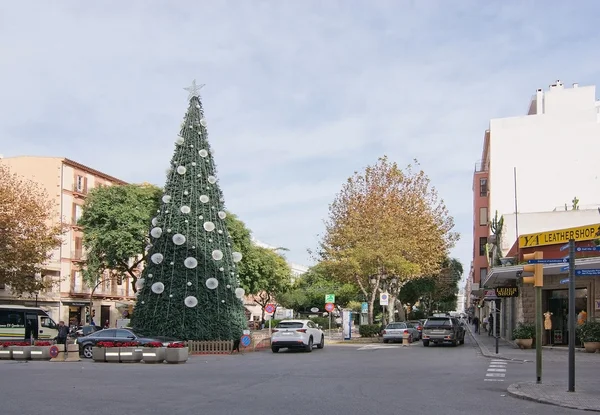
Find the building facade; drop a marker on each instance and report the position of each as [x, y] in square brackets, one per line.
[67, 184]
[528, 165]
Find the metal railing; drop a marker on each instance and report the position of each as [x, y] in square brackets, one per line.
[481, 166]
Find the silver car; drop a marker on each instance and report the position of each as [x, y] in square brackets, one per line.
[395, 332]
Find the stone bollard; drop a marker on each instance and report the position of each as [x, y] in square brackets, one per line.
[405, 339]
[72, 353]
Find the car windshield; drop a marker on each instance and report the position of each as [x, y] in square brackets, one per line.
[290, 325]
[438, 322]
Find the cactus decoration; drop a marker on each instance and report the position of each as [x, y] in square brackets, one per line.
[496, 225]
[575, 203]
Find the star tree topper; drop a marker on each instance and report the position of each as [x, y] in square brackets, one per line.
[194, 90]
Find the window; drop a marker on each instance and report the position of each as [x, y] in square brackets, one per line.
[290, 325]
[80, 182]
[12, 318]
[483, 187]
[47, 322]
[78, 213]
[483, 216]
[124, 334]
[482, 245]
[77, 286]
[482, 274]
[441, 322]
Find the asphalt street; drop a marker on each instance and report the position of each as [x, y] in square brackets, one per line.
[342, 379]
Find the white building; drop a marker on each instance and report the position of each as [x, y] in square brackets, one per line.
[554, 149]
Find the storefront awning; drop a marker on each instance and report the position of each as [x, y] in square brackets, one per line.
[499, 276]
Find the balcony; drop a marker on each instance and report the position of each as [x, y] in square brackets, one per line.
[79, 189]
[481, 167]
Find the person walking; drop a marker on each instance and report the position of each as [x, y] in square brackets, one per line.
[491, 325]
[476, 324]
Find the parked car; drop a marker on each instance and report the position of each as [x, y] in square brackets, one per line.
[443, 330]
[395, 332]
[417, 324]
[83, 331]
[86, 343]
[297, 334]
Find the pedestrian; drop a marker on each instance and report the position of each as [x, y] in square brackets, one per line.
[469, 318]
[63, 332]
[476, 324]
[485, 324]
[491, 324]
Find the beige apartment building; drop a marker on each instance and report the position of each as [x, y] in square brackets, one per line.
[67, 184]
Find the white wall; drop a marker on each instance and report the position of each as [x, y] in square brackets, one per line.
[555, 153]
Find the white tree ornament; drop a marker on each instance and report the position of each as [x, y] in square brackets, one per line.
[212, 179]
[139, 284]
[209, 226]
[157, 258]
[166, 199]
[190, 262]
[181, 170]
[212, 283]
[236, 256]
[222, 215]
[185, 210]
[156, 232]
[240, 292]
[191, 301]
[217, 255]
[178, 239]
[203, 153]
[204, 199]
[158, 288]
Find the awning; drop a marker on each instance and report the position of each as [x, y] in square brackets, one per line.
[499, 276]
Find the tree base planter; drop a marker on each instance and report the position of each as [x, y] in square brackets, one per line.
[5, 354]
[21, 352]
[130, 354]
[111, 354]
[591, 347]
[98, 354]
[176, 355]
[524, 343]
[153, 354]
[40, 353]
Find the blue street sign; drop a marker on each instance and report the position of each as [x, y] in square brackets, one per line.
[583, 272]
[566, 246]
[548, 261]
[565, 281]
[587, 248]
[564, 269]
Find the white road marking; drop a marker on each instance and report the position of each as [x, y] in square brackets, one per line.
[379, 346]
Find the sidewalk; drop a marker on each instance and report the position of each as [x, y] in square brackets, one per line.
[552, 393]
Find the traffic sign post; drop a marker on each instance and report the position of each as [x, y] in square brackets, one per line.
[572, 317]
[329, 307]
[245, 340]
[270, 309]
[330, 298]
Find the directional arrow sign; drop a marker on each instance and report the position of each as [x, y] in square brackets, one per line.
[548, 261]
[587, 248]
[583, 272]
[565, 246]
[566, 280]
[564, 269]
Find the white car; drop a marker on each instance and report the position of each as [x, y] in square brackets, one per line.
[297, 334]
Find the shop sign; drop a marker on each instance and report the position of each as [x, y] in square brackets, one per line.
[560, 236]
[507, 292]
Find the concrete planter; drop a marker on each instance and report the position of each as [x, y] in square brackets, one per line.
[524, 343]
[111, 354]
[153, 354]
[98, 354]
[175, 355]
[130, 354]
[5, 353]
[21, 352]
[40, 353]
[591, 347]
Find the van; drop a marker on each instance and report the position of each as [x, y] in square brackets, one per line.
[20, 323]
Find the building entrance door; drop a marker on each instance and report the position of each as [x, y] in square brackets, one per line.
[558, 305]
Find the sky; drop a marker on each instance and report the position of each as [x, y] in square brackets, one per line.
[299, 94]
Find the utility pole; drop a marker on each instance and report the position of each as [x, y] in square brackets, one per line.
[572, 316]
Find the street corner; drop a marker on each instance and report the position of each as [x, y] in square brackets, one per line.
[556, 394]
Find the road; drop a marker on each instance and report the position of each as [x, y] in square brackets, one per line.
[344, 379]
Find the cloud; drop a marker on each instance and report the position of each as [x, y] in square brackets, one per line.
[299, 95]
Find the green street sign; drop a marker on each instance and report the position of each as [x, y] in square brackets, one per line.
[330, 298]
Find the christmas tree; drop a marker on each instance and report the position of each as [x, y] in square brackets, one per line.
[190, 289]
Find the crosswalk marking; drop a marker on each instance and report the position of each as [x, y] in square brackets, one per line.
[379, 346]
[496, 371]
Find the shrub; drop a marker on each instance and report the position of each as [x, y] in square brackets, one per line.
[524, 331]
[273, 323]
[176, 345]
[105, 344]
[589, 331]
[369, 330]
[323, 322]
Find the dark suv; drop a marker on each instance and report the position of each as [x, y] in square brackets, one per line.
[443, 330]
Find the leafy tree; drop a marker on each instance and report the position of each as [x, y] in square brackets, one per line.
[435, 293]
[190, 287]
[386, 225]
[28, 233]
[309, 291]
[115, 231]
[269, 274]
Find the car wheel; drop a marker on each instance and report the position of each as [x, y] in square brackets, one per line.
[425, 343]
[322, 343]
[275, 349]
[309, 346]
[454, 343]
[87, 351]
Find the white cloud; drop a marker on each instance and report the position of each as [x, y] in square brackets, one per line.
[299, 95]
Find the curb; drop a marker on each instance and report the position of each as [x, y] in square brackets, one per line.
[486, 353]
[513, 390]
